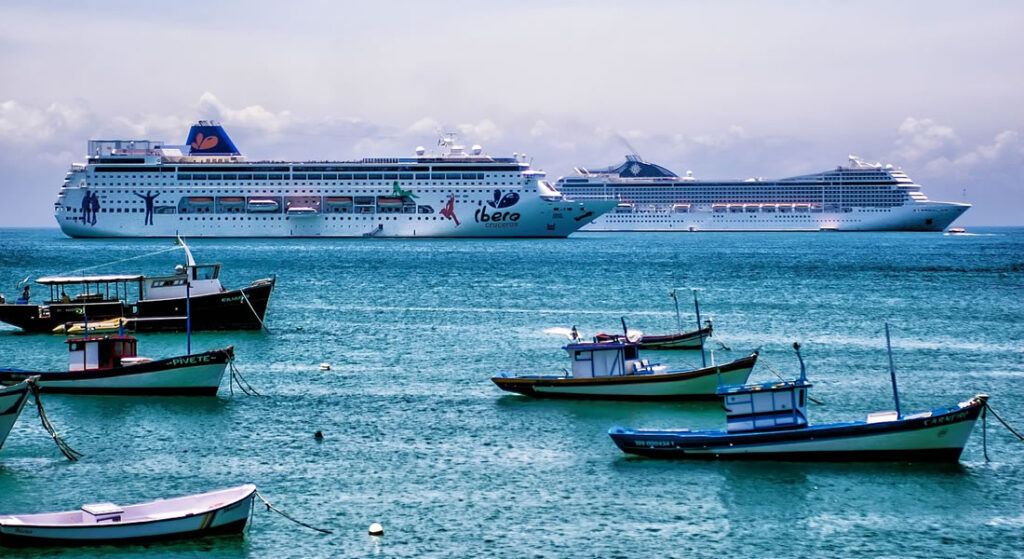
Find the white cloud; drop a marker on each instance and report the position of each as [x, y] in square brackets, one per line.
[921, 138]
[252, 116]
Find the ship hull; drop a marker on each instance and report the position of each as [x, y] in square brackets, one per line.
[920, 216]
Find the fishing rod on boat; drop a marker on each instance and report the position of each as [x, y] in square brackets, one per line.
[679, 321]
[892, 373]
[700, 332]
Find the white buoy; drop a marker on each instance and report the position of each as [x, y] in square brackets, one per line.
[325, 366]
[376, 529]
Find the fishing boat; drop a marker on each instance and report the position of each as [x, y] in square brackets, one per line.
[613, 369]
[12, 400]
[218, 512]
[111, 365]
[682, 340]
[160, 304]
[769, 421]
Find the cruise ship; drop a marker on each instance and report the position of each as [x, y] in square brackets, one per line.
[207, 188]
[858, 197]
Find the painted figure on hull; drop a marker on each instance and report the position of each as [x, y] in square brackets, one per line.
[449, 210]
[149, 196]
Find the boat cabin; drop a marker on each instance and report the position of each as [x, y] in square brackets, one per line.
[77, 290]
[202, 279]
[95, 352]
[606, 359]
[771, 406]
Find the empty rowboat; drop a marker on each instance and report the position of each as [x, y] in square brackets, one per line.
[218, 512]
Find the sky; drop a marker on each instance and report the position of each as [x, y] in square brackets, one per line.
[725, 89]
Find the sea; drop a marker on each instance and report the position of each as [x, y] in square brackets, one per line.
[417, 438]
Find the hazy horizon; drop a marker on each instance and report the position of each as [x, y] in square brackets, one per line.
[726, 90]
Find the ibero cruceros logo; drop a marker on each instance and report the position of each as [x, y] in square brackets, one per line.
[201, 143]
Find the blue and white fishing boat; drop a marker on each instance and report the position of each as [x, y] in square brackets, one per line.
[613, 369]
[769, 421]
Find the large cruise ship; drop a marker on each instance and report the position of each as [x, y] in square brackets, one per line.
[143, 188]
[858, 197]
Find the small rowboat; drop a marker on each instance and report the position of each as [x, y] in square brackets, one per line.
[683, 340]
[110, 365]
[99, 327]
[614, 370]
[218, 512]
[12, 400]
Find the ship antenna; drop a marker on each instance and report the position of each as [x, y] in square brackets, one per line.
[629, 146]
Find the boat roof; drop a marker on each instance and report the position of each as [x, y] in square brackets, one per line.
[587, 346]
[107, 278]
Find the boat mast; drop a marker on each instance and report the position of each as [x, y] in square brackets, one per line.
[679, 321]
[700, 333]
[892, 373]
[803, 369]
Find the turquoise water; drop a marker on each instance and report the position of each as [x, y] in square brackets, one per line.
[418, 439]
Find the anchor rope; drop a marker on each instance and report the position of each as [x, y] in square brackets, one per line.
[256, 314]
[1003, 421]
[237, 378]
[984, 432]
[71, 454]
[299, 522]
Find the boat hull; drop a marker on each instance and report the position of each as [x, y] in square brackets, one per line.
[216, 519]
[227, 310]
[12, 401]
[939, 435]
[698, 384]
[199, 374]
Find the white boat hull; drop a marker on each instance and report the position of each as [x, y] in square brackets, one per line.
[12, 401]
[696, 387]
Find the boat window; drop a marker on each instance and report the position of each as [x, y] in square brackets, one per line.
[629, 352]
[584, 355]
[801, 402]
[426, 209]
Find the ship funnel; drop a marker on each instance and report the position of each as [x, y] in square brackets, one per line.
[209, 138]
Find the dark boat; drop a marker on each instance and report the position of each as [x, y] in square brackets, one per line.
[682, 340]
[160, 306]
[110, 365]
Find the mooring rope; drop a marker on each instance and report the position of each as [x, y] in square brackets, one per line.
[256, 314]
[65, 449]
[237, 378]
[299, 522]
[984, 432]
[1003, 421]
[121, 260]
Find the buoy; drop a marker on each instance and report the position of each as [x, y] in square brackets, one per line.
[325, 366]
[376, 529]
[319, 435]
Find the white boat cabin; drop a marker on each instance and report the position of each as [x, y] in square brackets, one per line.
[770, 406]
[202, 279]
[608, 359]
[85, 354]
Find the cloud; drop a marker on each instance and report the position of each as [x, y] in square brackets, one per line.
[921, 138]
[23, 126]
[252, 116]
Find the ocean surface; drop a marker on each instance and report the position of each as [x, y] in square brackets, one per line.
[416, 436]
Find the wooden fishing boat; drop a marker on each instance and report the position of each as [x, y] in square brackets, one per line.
[160, 303]
[110, 365]
[218, 512]
[769, 421]
[683, 340]
[613, 369]
[12, 400]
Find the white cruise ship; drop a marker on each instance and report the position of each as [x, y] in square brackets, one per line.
[859, 197]
[143, 188]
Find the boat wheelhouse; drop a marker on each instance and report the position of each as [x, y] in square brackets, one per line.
[858, 197]
[144, 188]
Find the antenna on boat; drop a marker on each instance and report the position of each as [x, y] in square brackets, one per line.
[803, 369]
[625, 332]
[892, 372]
[700, 333]
[679, 321]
